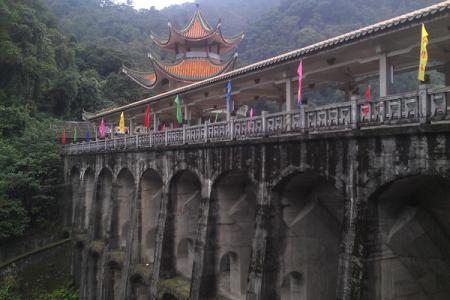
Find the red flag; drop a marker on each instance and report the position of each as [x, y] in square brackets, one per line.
[63, 136]
[147, 117]
[367, 95]
[300, 78]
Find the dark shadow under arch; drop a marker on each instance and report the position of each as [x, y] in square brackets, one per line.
[408, 231]
[183, 210]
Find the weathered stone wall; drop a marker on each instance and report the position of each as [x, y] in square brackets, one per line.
[321, 216]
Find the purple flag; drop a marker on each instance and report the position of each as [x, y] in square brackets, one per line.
[300, 77]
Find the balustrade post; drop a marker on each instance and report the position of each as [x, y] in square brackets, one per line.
[150, 139]
[302, 119]
[354, 121]
[424, 104]
[231, 124]
[137, 141]
[184, 134]
[206, 131]
[125, 141]
[166, 137]
[264, 122]
[105, 143]
[288, 121]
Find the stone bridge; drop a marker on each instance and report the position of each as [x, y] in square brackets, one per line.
[349, 200]
[320, 203]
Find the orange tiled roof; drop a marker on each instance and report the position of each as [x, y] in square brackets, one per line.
[196, 30]
[150, 77]
[194, 69]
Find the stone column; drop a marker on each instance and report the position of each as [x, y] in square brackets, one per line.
[351, 261]
[255, 288]
[288, 104]
[187, 114]
[162, 217]
[447, 74]
[385, 75]
[203, 268]
[155, 122]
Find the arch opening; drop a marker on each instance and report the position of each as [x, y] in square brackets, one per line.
[102, 201]
[150, 198]
[182, 222]
[229, 275]
[305, 237]
[74, 195]
[124, 194]
[408, 241]
[88, 184]
[292, 287]
[233, 220]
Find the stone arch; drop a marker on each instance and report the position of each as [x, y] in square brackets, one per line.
[139, 289]
[304, 238]
[168, 296]
[229, 275]
[181, 223]
[74, 196]
[150, 192]
[77, 261]
[88, 196]
[113, 280]
[92, 275]
[408, 240]
[292, 287]
[232, 228]
[102, 202]
[124, 192]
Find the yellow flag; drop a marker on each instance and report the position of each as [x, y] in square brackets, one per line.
[122, 123]
[423, 53]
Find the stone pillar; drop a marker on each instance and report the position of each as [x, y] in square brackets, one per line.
[288, 105]
[155, 122]
[187, 114]
[131, 127]
[159, 238]
[351, 261]
[447, 74]
[385, 75]
[255, 288]
[203, 267]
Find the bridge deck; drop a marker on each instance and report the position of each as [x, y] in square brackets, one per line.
[427, 105]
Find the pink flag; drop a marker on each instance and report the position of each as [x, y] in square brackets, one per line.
[300, 77]
[102, 129]
[251, 117]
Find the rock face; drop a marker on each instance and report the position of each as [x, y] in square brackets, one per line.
[357, 215]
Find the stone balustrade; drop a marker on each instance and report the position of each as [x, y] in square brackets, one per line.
[427, 105]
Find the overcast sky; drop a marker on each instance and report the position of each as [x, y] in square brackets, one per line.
[156, 3]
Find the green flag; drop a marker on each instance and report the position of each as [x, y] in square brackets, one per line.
[179, 113]
[75, 135]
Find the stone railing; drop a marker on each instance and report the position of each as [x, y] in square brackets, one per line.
[427, 105]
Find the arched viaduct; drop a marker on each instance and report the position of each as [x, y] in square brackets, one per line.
[362, 214]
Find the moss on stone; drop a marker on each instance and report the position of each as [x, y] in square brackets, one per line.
[177, 286]
[97, 246]
[116, 256]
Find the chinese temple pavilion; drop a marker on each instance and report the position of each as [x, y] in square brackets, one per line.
[199, 51]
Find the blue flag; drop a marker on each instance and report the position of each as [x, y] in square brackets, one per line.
[88, 135]
[229, 104]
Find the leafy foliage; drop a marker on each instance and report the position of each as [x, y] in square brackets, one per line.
[30, 170]
[63, 293]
